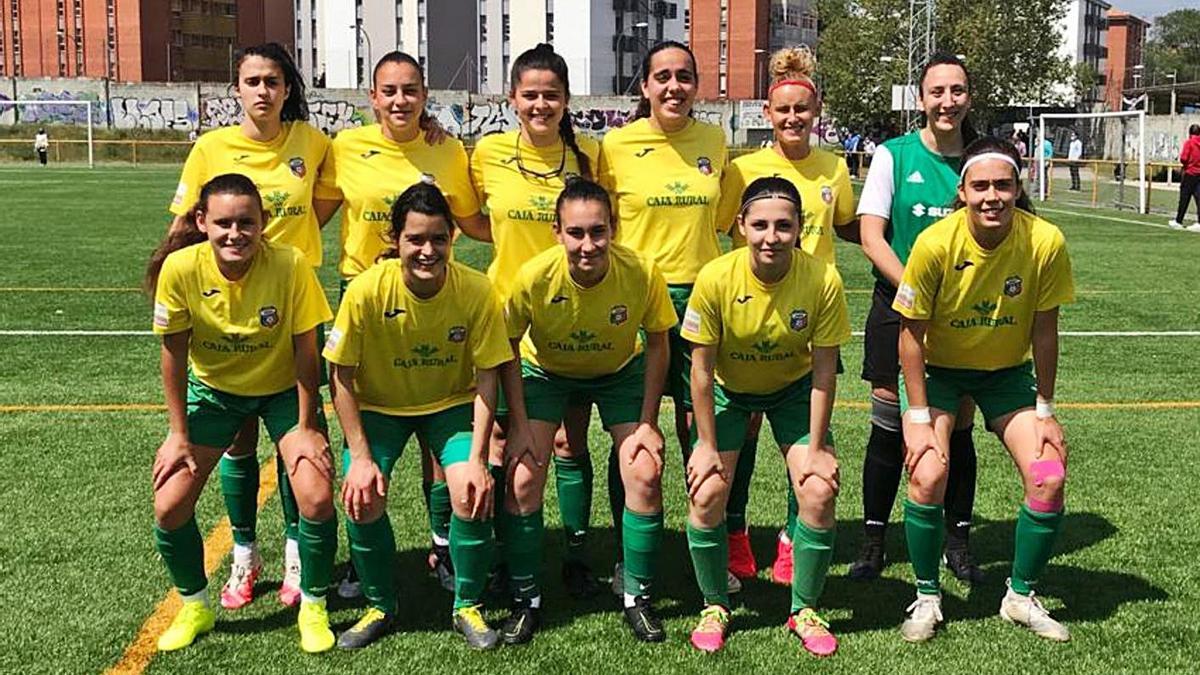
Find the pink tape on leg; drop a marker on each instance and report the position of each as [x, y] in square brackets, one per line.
[1040, 471]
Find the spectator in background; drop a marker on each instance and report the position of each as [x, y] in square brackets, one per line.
[868, 148]
[1074, 155]
[1018, 140]
[1189, 186]
[851, 146]
[41, 144]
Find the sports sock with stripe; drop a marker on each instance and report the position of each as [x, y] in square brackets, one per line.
[439, 511]
[318, 546]
[923, 529]
[239, 489]
[812, 550]
[882, 467]
[960, 487]
[710, 558]
[573, 478]
[1036, 534]
[643, 536]
[471, 550]
[373, 551]
[523, 540]
[183, 552]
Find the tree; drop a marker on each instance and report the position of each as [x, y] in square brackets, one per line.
[1011, 50]
[1174, 47]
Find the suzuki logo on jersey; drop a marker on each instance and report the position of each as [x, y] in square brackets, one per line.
[618, 315]
[1012, 286]
[915, 177]
[457, 334]
[296, 164]
[920, 210]
[798, 319]
[268, 316]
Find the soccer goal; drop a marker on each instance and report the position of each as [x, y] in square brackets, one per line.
[1094, 159]
[56, 111]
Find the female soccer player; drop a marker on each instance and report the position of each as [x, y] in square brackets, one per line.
[980, 294]
[577, 312]
[910, 185]
[767, 320]
[415, 349]
[238, 317]
[368, 168]
[663, 171]
[823, 181]
[284, 156]
[519, 175]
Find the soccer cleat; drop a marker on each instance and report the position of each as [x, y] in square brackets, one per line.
[709, 634]
[441, 567]
[923, 618]
[1027, 611]
[498, 582]
[1194, 227]
[813, 632]
[1175, 225]
[313, 622]
[642, 619]
[239, 590]
[618, 580]
[578, 579]
[289, 590]
[781, 569]
[349, 587]
[741, 557]
[372, 626]
[870, 561]
[194, 618]
[521, 624]
[962, 565]
[468, 621]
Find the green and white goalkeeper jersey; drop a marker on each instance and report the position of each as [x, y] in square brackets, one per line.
[911, 187]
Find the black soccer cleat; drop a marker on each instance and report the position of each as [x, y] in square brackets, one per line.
[645, 624]
[870, 562]
[961, 563]
[579, 580]
[372, 626]
[441, 567]
[520, 626]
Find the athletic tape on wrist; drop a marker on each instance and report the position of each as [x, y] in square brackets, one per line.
[919, 416]
[1045, 409]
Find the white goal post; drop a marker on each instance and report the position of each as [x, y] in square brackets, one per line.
[86, 104]
[1140, 115]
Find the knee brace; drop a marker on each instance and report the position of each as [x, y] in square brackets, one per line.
[1040, 471]
[885, 414]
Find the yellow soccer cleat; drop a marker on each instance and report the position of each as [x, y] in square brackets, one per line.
[194, 618]
[315, 636]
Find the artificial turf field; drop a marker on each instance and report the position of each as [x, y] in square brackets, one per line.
[81, 417]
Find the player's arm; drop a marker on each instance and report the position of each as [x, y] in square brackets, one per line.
[658, 356]
[324, 210]
[919, 437]
[1045, 365]
[477, 226]
[364, 482]
[849, 232]
[176, 451]
[877, 249]
[308, 382]
[478, 478]
[824, 390]
[706, 459]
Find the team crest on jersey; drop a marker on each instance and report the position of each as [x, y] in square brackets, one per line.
[826, 194]
[798, 319]
[428, 179]
[618, 315]
[268, 316]
[457, 334]
[1012, 286]
[704, 164]
[296, 164]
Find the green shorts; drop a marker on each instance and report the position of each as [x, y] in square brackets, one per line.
[787, 410]
[214, 417]
[447, 433]
[618, 395]
[996, 392]
[679, 369]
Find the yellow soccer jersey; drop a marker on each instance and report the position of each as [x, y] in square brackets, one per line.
[242, 330]
[979, 303]
[825, 194]
[370, 171]
[520, 203]
[416, 356]
[666, 188]
[587, 332]
[287, 171]
[764, 334]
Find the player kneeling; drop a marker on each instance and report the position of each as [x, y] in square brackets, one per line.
[416, 349]
[238, 318]
[980, 294]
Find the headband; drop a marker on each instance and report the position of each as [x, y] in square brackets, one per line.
[984, 157]
[767, 195]
[799, 83]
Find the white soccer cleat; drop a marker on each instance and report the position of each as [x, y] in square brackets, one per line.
[1174, 224]
[923, 618]
[1027, 611]
[1194, 227]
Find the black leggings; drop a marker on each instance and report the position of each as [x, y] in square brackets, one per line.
[1189, 190]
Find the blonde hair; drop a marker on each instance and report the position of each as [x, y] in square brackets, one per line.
[793, 63]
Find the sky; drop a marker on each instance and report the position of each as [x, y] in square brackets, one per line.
[1147, 9]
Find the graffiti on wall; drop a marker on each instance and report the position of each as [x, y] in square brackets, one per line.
[8, 113]
[152, 113]
[327, 115]
[54, 113]
[599, 120]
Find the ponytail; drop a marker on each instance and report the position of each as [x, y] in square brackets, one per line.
[566, 131]
[186, 236]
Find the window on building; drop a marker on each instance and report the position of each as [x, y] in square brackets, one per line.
[483, 28]
[504, 33]
[550, 27]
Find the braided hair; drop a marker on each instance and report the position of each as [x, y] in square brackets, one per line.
[543, 57]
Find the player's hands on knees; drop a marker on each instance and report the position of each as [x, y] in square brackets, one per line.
[478, 493]
[519, 444]
[819, 462]
[174, 453]
[364, 483]
[647, 439]
[704, 463]
[919, 439]
[1050, 433]
[312, 445]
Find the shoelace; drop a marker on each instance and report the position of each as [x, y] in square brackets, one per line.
[1041, 611]
[923, 606]
[315, 615]
[369, 618]
[473, 618]
[292, 569]
[238, 574]
[713, 619]
[809, 616]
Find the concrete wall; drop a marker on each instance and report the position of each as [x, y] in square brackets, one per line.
[1164, 137]
[193, 105]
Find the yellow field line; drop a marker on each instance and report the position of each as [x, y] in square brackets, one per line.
[850, 405]
[216, 546]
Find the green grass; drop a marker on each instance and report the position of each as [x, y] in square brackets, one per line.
[78, 571]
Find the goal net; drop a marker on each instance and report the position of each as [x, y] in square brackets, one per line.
[36, 112]
[1092, 159]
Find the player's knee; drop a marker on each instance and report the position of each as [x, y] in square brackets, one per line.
[1047, 485]
[169, 512]
[643, 480]
[525, 491]
[711, 495]
[927, 483]
[816, 494]
[885, 413]
[370, 513]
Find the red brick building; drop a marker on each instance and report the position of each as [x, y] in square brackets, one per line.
[1126, 39]
[135, 40]
[731, 40]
